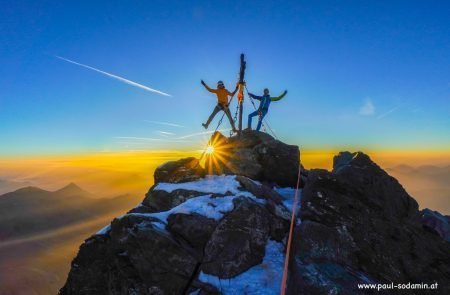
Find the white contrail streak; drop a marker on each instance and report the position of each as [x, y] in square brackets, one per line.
[389, 112]
[165, 133]
[148, 139]
[138, 138]
[201, 133]
[165, 123]
[114, 76]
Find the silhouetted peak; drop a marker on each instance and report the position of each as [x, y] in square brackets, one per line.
[72, 189]
[30, 189]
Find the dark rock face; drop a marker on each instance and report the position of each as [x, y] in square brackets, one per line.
[279, 225]
[256, 155]
[142, 254]
[259, 191]
[136, 256]
[239, 240]
[381, 191]
[436, 222]
[183, 170]
[193, 228]
[359, 225]
[88, 264]
[160, 200]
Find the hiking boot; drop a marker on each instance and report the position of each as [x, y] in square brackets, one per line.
[205, 126]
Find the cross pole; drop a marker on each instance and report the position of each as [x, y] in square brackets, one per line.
[241, 91]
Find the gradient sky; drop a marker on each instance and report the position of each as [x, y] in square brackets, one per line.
[360, 74]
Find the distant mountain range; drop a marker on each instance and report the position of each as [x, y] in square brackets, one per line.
[7, 186]
[40, 231]
[429, 170]
[32, 210]
[430, 185]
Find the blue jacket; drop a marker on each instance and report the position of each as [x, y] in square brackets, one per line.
[266, 100]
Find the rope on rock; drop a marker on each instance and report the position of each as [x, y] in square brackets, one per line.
[289, 242]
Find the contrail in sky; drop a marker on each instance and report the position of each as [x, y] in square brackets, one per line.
[115, 77]
[138, 138]
[389, 112]
[149, 139]
[201, 133]
[165, 133]
[165, 123]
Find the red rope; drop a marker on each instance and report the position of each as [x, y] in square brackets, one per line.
[291, 229]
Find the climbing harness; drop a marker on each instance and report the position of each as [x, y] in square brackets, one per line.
[235, 118]
[289, 242]
[236, 113]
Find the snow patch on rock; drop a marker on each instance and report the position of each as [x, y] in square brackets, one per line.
[262, 279]
[217, 184]
[288, 195]
[207, 205]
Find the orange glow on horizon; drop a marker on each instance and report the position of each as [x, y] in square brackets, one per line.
[111, 174]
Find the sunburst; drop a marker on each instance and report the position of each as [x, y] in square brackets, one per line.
[209, 149]
[217, 155]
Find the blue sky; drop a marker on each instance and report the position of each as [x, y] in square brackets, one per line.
[360, 74]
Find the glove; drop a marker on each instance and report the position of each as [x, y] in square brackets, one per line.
[203, 83]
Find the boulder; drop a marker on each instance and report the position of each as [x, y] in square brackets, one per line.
[161, 200]
[249, 139]
[89, 269]
[193, 228]
[238, 242]
[382, 191]
[256, 155]
[280, 162]
[259, 191]
[136, 257]
[358, 225]
[279, 223]
[183, 170]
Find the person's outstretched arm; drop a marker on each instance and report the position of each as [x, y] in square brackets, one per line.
[255, 96]
[207, 87]
[279, 97]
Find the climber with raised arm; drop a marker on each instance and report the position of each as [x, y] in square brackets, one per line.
[263, 108]
[222, 103]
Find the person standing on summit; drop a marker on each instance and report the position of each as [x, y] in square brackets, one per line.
[222, 103]
[263, 108]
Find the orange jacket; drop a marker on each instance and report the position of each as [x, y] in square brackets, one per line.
[222, 94]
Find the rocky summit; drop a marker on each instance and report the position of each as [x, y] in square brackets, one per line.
[256, 155]
[223, 229]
